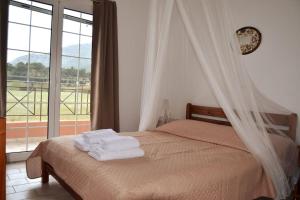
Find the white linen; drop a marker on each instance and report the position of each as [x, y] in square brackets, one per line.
[120, 139]
[95, 137]
[116, 143]
[105, 144]
[113, 155]
[81, 144]
[192, 46]
[114, 146]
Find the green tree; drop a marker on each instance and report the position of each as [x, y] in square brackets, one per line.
[10, 69]
[21, 69]
[38, 70]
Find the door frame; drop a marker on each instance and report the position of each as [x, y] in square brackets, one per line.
[58, 7]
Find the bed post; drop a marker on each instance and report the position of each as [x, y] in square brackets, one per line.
[45, 173]
[188, 111]
[293, 118]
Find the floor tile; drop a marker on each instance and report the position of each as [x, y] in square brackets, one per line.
[16, 182]
[36, 180]
[20, 187]
[13, 171]
[15, 165]
[27, 187]
[21, 195]
[17, 176]
[53, 189]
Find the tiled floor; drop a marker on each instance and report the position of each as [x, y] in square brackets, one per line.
[18, 186]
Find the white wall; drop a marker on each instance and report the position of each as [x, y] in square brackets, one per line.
[132, 25]
[275, 65]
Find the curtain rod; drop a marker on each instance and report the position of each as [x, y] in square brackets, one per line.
[100, 1]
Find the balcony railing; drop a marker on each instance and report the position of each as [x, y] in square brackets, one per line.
[32, 98]
[27, 108]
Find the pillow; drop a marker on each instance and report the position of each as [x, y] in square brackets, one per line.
[204, 131]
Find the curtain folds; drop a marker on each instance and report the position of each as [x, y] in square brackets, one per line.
[104, 73]
[192, 53]
[3, 52]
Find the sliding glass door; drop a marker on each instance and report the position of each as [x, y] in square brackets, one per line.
[48, 72]
[28, 64]
[75, 73]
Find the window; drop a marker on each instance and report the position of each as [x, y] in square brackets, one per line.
[75, 72]
[41, 50]
[29, 39]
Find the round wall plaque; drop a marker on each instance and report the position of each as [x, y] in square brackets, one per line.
[249, 39]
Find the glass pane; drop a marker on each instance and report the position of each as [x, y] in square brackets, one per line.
[16, 65]
[37, 131]
[42, 5]
[85, 47]
[24, 1]
[42, 58]
[14, 56]
[68, 125]
[87, 17]
[17, 40]
[17, 72]
[41, 19]
[86, 29]
[71, 13]
[39, 68]
[40, 40]
[20, 15]
[16, 108]
[67, 130]
[15, 137]
[71, 26]
[69, 71]
[35, 136]
[70, 44]
[82, 101]
[83, 106]
[85, 70]
[82, 128]
[67, 107]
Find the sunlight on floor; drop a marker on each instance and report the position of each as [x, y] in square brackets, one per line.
[19, 187]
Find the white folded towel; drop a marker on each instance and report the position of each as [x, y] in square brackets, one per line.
[80, 143]
[116, 144]
[93, 137]
[114, 155]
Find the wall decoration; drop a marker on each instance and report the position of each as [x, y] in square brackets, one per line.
[249, 39]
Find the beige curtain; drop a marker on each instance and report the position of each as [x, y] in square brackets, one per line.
[104, 78]
[3, 54]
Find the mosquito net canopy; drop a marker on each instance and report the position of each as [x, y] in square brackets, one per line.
[192, 55]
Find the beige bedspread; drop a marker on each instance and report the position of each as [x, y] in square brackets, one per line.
[182, 165]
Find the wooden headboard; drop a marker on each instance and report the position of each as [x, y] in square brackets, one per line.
[216, 115]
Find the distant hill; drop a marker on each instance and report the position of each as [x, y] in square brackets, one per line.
[85, 51]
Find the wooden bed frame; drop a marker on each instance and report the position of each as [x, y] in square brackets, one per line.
[287, 123]
[201, 113]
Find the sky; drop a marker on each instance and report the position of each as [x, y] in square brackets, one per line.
[38, 37]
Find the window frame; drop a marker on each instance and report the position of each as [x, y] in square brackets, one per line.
[55, 69]
[58, 6]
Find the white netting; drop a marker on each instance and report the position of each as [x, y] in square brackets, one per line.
[193, 56]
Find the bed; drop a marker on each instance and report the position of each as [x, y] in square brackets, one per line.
[197, 158]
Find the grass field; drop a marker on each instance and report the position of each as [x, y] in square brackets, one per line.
[37, 103]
